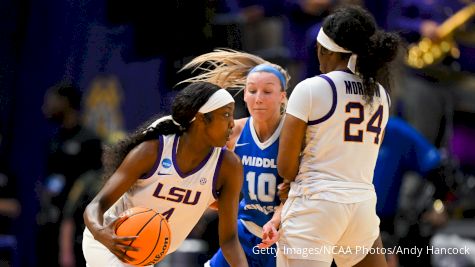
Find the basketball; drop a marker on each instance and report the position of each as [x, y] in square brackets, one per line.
[153, 231]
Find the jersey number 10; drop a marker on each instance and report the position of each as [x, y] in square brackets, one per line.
[262, 180]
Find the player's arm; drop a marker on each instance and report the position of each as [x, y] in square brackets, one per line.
[229, 187]
[137, 163]
[290, 146]
[237, 129]
[294, 128]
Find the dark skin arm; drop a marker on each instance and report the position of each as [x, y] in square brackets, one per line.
[290, 146]
[137, 163]
[229, 185]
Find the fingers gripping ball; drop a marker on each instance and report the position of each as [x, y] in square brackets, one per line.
[153, 231]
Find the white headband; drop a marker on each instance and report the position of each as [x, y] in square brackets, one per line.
[219, 99]
[329, 44]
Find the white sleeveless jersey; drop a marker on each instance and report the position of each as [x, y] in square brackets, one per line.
[181, 198]
[342, 139]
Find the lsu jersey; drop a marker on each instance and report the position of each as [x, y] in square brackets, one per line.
[259, 160]
[342, 139]
[180, 197]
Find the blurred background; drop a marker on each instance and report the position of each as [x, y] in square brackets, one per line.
[77, 74]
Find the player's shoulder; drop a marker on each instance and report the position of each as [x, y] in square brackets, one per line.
[312, 81]
[230, 171]
[239, 125]
[230, 159]
[316, 81]
[237, 130]
[142, 157]
[148, 148]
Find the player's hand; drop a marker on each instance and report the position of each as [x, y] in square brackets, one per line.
[270, 235]
[429, 29]
[283, 191]
[118, 245]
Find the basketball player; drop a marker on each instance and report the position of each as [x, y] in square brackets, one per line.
[255, 140]
[177, 167]
[329, 144]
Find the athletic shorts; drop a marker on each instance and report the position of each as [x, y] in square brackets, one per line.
[316, 229]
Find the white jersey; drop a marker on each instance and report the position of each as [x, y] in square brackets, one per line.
[342, 139]
[181, 198]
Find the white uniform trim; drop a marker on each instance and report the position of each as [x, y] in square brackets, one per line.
[313, 92]
[268, 142]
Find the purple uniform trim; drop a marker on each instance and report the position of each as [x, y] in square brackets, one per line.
[197, 168]
[157, 162]
[347, 71]
[332, 109]
[216, 172]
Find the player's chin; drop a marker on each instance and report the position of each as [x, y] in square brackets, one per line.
[260, 115]
[221, 142]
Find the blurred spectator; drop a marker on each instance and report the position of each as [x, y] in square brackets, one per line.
[442, 87]
[463, 141]
[9, 205]
[262, 28]
[9, 210]
[403, 151]
[72, 225]
[72, 151]
[250, 25]
[301, 16]
[302, 23]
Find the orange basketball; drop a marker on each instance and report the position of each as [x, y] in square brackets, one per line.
[153, 231]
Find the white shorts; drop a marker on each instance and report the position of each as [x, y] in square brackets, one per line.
[315, 229]
[97, 255]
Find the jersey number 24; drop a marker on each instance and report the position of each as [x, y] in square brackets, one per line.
[373, 125]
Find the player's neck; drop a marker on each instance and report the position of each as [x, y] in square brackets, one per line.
[265, 129]
[191, 152]
[341, 65]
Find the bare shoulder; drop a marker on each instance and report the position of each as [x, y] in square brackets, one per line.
[230, 159]
[144, 155]
[238, 126]
[239, 123]
[147, 148]
[231, 169]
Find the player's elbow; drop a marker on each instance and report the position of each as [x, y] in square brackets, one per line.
[286, 169]
[287, 166]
